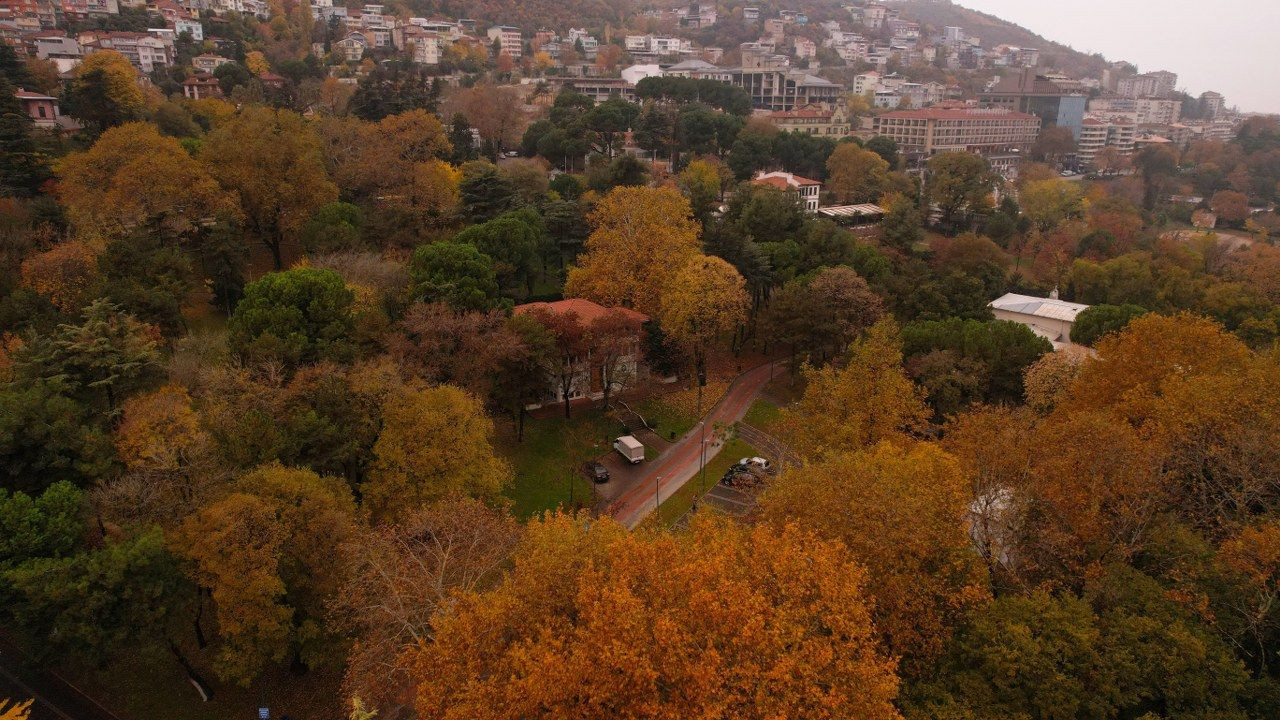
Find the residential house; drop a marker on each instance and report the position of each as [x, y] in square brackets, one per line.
[588, 380]
[352, 46]
[808, 190]
[41, 108]
[201, 85]
[208, 62]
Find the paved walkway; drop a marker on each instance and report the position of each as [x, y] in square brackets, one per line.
[55, 698]
[670, 471]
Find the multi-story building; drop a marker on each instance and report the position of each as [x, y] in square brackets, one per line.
[510, 41]
[1001, 135]
[427, 46]
[1212, 104]
[808, 190]
[1156, 84]
[816, 120]
[192, 27]
[1156, 111]
[200, 86]
[700, 70]
[63, 52]
[1030, 93]
[145, 51]
[773, 85]
[1100, 131]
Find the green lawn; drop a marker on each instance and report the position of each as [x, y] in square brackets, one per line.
[674, 507]
[762, 415]
[547, 464]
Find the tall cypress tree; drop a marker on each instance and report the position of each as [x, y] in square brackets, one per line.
[22, 166]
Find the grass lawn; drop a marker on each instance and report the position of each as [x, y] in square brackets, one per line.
[674, 507]
[677, 412]
[762, 415]
[550, 458]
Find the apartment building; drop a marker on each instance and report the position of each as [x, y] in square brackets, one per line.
[1156, 111]
[510, 41]
[774, 85]
[1100, 131]
[999, 134]
[1214, 104]
[1156, 84]
[816, 120]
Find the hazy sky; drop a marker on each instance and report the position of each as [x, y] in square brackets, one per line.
[1232, 46]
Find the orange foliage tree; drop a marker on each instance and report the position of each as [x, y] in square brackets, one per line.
[719, 622]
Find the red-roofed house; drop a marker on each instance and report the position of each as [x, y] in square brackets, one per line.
[42, 108]
[604, 349]
[200, 86]
[808, 190]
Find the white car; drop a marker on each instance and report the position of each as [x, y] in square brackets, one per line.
[757, 462]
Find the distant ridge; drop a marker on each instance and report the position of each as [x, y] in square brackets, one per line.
[995, 31]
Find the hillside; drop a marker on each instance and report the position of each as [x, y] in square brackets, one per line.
[995, 31]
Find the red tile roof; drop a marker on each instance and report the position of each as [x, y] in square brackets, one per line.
[28, 95]
[586, 310]
[957, 114]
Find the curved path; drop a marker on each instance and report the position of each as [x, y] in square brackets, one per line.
[680, 463]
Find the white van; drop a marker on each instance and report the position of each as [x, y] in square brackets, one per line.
[630, 448]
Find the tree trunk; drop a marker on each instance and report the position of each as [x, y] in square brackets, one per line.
[193, 677]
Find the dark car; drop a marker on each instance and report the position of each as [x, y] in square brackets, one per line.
[596, 471]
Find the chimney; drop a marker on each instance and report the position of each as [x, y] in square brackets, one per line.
[1053, 295]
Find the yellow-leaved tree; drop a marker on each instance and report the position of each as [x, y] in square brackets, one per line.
[434, 442]
[273, 162]
[856, 175]
[134, 175]
[15, 711]
[868, 400]
[903, 514]
[640, 234]
[265, 553]
[104, 90]
[719, 622]
[704, 299]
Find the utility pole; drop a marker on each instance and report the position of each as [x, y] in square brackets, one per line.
[702, 463]
[657, 500]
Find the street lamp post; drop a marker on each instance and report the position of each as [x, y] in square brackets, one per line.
[702, 462]
[657, 499]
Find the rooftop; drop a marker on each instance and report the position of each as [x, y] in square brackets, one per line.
[1051, 308]
[943, 113]
[586, 310]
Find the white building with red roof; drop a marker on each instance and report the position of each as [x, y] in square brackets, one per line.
[808, 190]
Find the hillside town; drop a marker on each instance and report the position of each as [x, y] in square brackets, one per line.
[723, 359]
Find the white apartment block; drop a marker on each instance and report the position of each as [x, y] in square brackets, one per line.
[509, 40]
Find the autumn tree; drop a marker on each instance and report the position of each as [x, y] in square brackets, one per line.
[133, 175]
[396, 577]
[297, 316]
[704, 299]
[249, 153]
[1047, 381]
[701, 183]
[614, 339]
[903, 514]
[1049, 202]
[822, 314]
[495, 111]
[640, 234]
[66, 273]
[960, 184]
[1230, 206]
[434, 442]
[539, 642]
[867, 401]
[104, 91]
[570, 344]
[856, 175]
[264, 552]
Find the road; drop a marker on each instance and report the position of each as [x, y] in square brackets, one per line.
[55, 698]
[680, 463]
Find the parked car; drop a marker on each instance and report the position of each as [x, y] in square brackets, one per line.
[596, 471]
[758, 463]
[630, 448]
